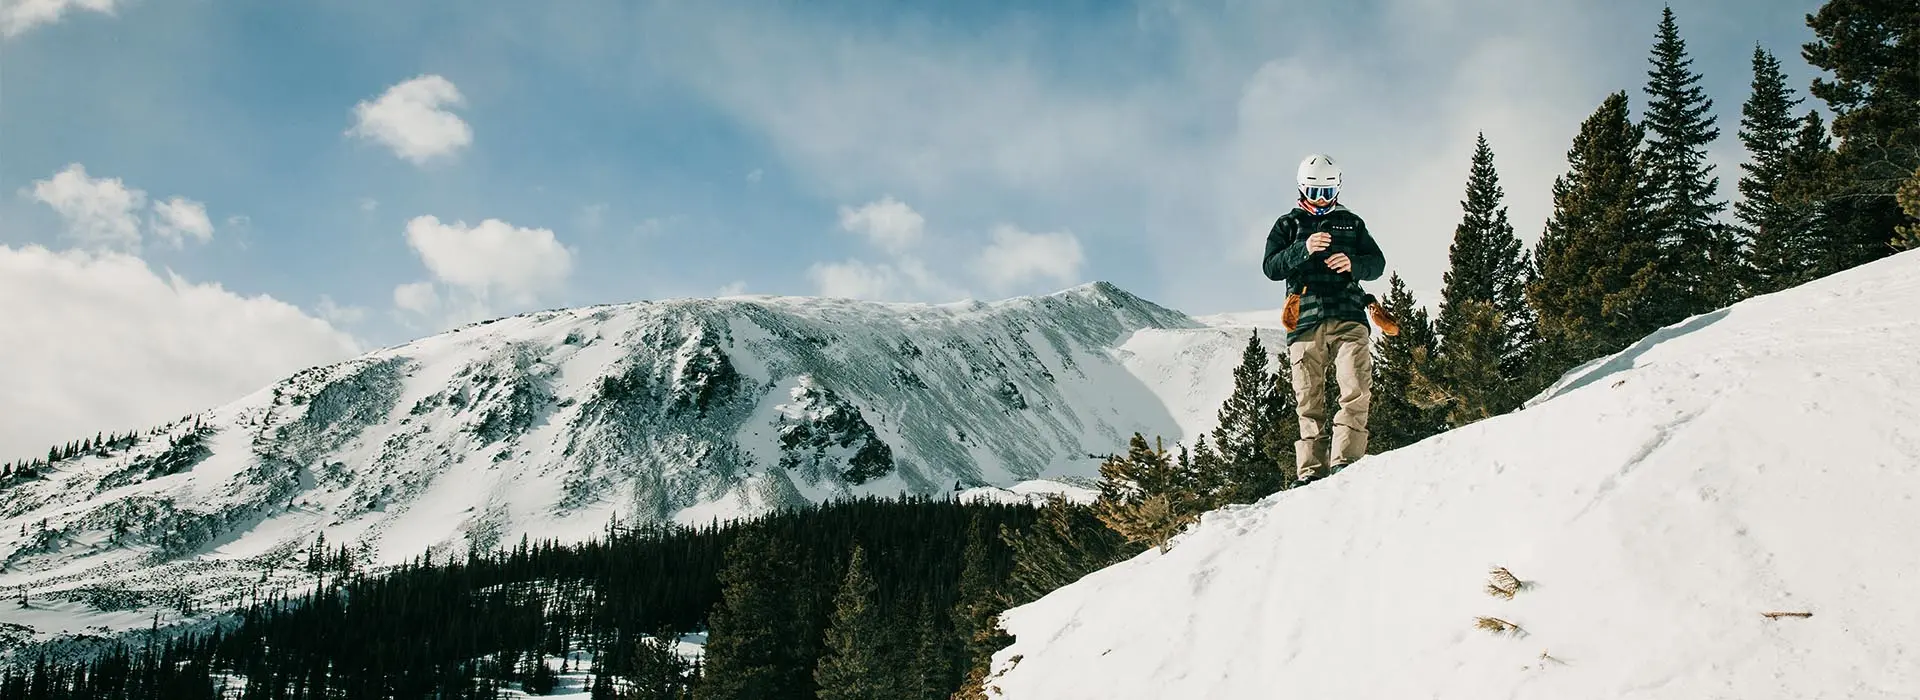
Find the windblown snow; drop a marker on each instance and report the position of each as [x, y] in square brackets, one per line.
[1760, 459]
[551, 425]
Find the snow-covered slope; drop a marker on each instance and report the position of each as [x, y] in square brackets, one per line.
[1764, 458]
[551, 424]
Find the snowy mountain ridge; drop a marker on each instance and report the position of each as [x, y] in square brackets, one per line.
[552, 424]
[1662, 506]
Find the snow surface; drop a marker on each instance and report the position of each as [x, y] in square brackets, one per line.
[1763, 458]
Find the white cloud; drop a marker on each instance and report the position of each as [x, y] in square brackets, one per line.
[755, 175]
[179, 217]
[19, 16]
[369, 204]
[112, 345]
[239, 221]
[334, 313]
[889, 223]
[493, 258]
[1016, 257]
[99, 212]
[103, 214]
[418, 297]
[412, 119]
[734, 288]
[855, 279]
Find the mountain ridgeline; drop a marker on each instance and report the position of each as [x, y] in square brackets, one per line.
[553, 424]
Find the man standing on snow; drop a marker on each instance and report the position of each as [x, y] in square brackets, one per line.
[1323, 251]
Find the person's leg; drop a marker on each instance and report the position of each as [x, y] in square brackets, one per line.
[1309, 360]
[1353, 369]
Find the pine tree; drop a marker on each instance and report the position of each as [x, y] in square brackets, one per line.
[1482, 352]
[1246, 419]
[1597, 261]
[1284, 429]
[1699, 257]
[1397, 420]
[1908, 237]
[932, 670]
[1144, 496]
[976, 616]
[1872, 49]
[1067, 542]
[1811, 167]
[750, 653]
[854, 667]
[1780, 251]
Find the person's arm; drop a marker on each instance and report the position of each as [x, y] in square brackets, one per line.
[1368, 262]
[1284, 254]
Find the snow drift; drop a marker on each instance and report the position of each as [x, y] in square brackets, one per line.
[1763, 458]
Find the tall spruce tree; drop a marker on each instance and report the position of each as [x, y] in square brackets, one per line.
[1700, 257]
[1481, 358]
[1811, 167]
[1780, 250]
[1397, 420]
[1872, 50]
[1285, 428]
[976, 615]
[854, 666]
[1597, 261]
[1246, 420]
[932, 676]
[752, 651]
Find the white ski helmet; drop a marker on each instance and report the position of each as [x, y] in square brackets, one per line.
[1318, 171]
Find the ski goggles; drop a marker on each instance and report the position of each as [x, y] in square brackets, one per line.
[1319, 194]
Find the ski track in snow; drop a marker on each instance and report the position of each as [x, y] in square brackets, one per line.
[1765, 458]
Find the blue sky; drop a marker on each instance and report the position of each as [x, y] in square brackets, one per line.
[639, 150]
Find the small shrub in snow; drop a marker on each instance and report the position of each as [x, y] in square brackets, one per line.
[1497, 626]
[1501, 583]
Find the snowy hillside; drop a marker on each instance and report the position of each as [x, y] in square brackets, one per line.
[552, 424]
[1760, 459]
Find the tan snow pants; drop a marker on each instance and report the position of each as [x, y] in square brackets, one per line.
[1345, 345]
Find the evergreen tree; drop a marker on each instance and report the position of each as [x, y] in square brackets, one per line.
[1144, 496]
[1872, 49]
[658, 671]
[977, 614]
[1908, 236]
[1067, 542]
[1811, 167]
[1247, 419]
[1597, 261]
[1699, 260]
[1285, 423]
[751, 646]
[932, 669]
[1780, 250]
[1482, 351]
[1397, 420]
[854, 667]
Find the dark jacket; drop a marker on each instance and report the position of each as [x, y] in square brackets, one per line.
[1329, 294]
